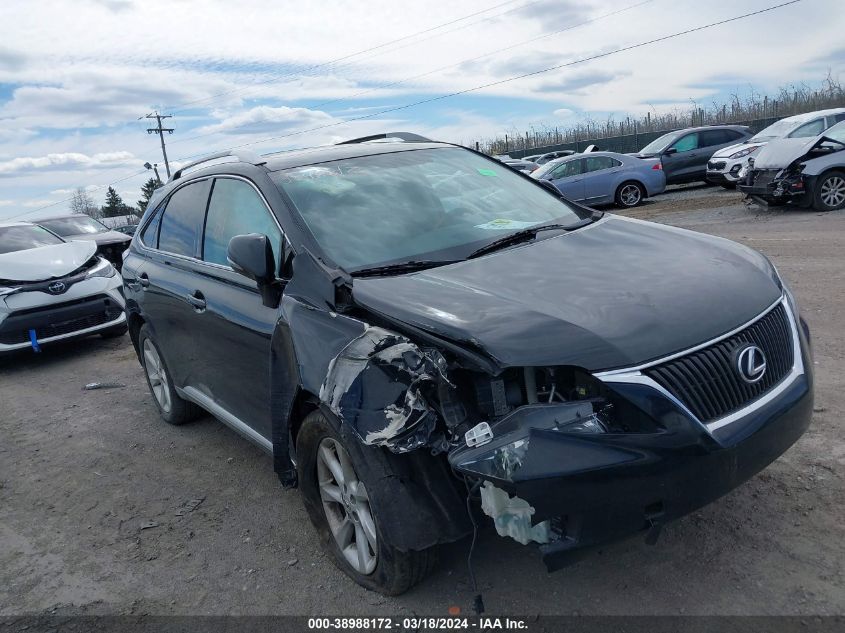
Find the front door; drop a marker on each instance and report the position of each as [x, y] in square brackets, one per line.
[234, 328]
[568, 179]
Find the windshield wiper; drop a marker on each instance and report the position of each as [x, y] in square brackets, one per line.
[526, 235]
[401, 267]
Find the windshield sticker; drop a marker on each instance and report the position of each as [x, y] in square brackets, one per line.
[501, 224]
[487, 172]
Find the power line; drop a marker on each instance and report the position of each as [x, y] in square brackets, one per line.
[160, 131]
[473, 89]
[442, 68]
[517, 77]
[181, 108]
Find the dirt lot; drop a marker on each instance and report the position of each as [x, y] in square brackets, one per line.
[95, 493]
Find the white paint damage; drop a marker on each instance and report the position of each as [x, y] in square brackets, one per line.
[512, 516]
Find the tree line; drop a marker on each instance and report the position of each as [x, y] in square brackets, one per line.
[114, 206]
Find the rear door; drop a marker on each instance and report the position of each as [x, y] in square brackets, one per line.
[600, 175]
[234, 328]
[568, 179]
[166, 278]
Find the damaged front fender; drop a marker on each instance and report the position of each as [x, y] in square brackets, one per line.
[380, 385]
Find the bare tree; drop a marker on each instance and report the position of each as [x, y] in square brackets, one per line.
[81, 202]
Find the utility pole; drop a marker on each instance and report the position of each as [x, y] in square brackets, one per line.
[160, 131]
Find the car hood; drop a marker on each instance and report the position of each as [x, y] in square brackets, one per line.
[613, 294]
[725, 152]
[45, 262]
[779, 154]
[108, 237]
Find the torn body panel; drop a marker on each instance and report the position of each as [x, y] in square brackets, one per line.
[377, 385]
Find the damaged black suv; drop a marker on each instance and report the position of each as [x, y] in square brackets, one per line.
[403, 324]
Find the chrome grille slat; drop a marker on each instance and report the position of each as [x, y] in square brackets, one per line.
[706, 380]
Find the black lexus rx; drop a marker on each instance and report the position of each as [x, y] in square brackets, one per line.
[403, 324]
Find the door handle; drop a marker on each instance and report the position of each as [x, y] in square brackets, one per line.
[144, 280]
[197, 300]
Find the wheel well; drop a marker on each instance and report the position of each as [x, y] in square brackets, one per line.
[632, 181]
[304, 403]
[135, 321]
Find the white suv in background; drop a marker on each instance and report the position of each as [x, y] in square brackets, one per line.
[724, 166]
[52, 290]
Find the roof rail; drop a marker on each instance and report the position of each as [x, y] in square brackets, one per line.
[408, 137]
[242, 156]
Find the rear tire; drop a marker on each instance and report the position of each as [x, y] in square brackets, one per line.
[629, 194]
[348, 505]
[172, 408]
[829, 193]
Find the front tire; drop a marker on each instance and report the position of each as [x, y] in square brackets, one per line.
[629, 194]
[829, 193]
[339, 478]
[172, 408]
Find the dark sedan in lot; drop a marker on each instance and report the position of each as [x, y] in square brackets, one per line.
[412, 327]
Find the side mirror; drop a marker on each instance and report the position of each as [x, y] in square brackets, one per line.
[252, 256]
[669, 151]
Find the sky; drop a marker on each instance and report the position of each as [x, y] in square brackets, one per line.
[77, 77]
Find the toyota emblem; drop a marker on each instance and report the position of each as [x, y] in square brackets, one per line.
[750, 363]
[57, 287]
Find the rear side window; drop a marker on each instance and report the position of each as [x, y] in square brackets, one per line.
[597, 163]
[709, 138]
[236, 209]
[181, 223]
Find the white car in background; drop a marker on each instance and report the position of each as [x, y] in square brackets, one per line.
[52, 290]
[724, 166]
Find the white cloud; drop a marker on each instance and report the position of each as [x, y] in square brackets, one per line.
[67, 161]
[269, 120]
[563, 113]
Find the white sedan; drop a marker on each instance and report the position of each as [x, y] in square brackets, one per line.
[52, 290]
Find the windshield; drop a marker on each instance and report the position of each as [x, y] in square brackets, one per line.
[77, 225]
[23, 237]
[837, 132]
[782, 129]
[438, 204]
[545, 168]
[659, 144]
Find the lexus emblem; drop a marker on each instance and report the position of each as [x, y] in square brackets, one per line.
[750, 363]
[57, 287]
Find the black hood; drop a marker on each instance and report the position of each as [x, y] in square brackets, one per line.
[613, 294]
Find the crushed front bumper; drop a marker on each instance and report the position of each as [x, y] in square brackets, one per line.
[596, 488]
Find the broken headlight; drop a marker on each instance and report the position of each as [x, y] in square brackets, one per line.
[103, 268]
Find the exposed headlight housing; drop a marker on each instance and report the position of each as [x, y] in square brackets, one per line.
[744, 152]
[103, 268]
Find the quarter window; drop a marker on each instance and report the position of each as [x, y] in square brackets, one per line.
[236, 209]
[150, 234]
[181, 224]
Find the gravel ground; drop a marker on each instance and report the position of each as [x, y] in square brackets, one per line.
[100, 509]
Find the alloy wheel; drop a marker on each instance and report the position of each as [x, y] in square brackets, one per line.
[347, 507]
[157, 376]
[833, 191]
[630, 195]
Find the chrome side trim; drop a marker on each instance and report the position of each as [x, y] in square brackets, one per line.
[233, 422]
[635, 376]
[690, 350]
